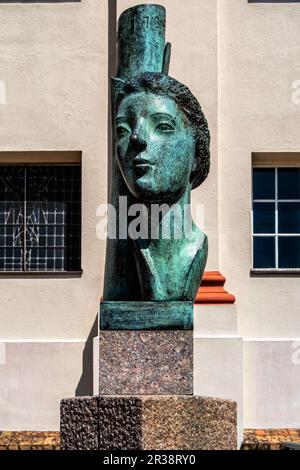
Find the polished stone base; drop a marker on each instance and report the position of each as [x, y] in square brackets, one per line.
[145, 362]
[148, 423]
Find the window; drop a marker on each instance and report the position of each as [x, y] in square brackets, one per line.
[40, 217]
[276, 218]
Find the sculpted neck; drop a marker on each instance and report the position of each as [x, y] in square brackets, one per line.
[172, 263]
[170, 222]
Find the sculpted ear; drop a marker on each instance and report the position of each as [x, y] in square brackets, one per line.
[195, 168]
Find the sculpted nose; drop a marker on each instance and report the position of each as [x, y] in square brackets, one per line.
[138, 143]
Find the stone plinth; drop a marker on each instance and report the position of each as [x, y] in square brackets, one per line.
[143, 315]
[148, 423]
[79, 423]
[146, 362]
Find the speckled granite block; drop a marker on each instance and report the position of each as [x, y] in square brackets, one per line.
[189, 423]
[151, 423]
[79, 418]
[146, 362]
[120, 423]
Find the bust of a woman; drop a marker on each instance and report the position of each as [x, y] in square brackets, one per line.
[162, 148]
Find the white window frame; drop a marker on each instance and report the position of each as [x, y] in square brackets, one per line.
[276, 234]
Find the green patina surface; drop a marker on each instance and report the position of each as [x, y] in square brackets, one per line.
[141, 40]
[161, 152]
[146, 316]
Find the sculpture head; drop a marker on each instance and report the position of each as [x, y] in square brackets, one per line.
[162, 138]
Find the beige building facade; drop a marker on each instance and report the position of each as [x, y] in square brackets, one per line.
[240, 59]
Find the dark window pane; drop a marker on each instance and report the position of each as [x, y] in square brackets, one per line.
[53, 203]
[263, 183]
[11, 212]
[54, 193]
[11, 236]
[289, 217]
[289, 252]
[264, 217]
[11, 183]
[289, 183]
[264, 252]
[11, 259]
[45, 259]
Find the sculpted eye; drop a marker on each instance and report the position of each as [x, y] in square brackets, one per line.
[122, 131]
[165, 128]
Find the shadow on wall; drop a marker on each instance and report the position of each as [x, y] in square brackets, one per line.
[112, 66]
[85, 384]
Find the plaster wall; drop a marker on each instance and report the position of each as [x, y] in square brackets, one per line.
[271, 383]
[258, 47]
[54, 63]
[259, 51]
[34, 377]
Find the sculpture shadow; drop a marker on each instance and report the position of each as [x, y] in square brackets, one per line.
[85, 384]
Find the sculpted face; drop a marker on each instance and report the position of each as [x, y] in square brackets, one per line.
[155, 147]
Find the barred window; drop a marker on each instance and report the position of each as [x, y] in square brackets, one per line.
[40, 217]
[276, 218]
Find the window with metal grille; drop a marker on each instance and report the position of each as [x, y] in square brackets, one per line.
[276, 218]
[40, 217]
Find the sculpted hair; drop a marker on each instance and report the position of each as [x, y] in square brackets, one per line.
[167, 86]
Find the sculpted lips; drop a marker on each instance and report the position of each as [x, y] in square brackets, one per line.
[141, 163]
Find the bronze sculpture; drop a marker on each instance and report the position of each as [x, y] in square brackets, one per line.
[161, 142]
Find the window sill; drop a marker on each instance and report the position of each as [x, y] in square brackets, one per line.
[41, 274]
[275, 273]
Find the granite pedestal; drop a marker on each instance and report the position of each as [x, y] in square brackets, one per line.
[146, 362]
[144, 398]
[148, 423]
